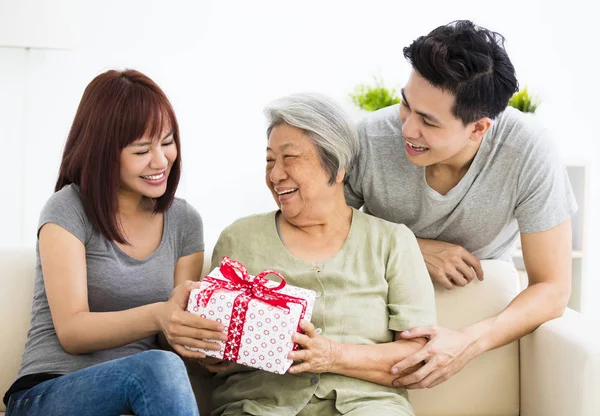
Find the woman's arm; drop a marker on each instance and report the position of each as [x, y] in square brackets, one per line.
[189, 268]
[372, 362]
[81, 331]
[366, 362]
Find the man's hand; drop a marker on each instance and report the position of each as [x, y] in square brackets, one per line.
[449, 264]
[446, 353]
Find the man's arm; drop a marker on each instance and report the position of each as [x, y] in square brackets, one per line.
[353, 180]
[353, 197]
[449, 264]
[547, 257]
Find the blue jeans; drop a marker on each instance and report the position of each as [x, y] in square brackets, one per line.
[148, 383]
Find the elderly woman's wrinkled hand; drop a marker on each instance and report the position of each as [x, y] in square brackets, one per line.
[214, 365]
[318, 354]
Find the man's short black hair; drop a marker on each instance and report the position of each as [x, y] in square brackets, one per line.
[469, 62]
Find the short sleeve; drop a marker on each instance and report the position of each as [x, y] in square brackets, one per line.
[193, 232]
[544, 195]
[353, 181]
[223, 247]
[411, 298]
[352, 191]
[65, 209]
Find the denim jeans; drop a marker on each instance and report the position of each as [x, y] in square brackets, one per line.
[148, 383]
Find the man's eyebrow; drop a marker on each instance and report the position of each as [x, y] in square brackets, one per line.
[404, 97]
[422, 114]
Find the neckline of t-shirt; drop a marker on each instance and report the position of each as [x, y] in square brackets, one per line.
[156, 250]
[466, 180]
[279, 242]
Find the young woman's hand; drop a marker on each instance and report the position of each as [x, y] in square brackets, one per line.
[183, 328]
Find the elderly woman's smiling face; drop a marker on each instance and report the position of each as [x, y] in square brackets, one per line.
[294, 173]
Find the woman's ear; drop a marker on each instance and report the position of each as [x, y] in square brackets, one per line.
[339, 178]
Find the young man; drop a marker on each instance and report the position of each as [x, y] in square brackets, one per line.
[467, 175]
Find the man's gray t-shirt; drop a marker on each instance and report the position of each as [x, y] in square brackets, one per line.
[517, 182]
[115, 281]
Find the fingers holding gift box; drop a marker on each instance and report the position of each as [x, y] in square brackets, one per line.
[195, 331]
[317, 354]
[260, 315]
[182, 328]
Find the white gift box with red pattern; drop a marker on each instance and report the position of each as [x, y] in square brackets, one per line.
[260, 315]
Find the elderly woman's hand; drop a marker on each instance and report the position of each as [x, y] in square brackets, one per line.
[214, 365]
[318, 354]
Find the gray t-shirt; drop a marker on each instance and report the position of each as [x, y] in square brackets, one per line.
[115, 281]
[517, 182]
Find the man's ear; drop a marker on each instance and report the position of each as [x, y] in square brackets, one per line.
[480, 128]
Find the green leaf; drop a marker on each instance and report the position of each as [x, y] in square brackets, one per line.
[374, 97]
[524, 102]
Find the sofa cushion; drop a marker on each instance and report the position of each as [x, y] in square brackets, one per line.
[489, 385]
[16, 290]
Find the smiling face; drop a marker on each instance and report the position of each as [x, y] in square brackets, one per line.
[146, 164]
[295, 175]
[432, 133]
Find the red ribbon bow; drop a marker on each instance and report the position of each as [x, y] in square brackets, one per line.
[252, 288]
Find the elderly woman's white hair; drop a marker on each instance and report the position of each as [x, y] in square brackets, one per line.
[326, 124]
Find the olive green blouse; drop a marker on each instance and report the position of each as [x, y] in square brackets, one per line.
[377, 283]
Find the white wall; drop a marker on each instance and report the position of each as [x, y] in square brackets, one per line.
[221, 61]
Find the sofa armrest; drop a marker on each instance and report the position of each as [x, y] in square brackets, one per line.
[560, 368]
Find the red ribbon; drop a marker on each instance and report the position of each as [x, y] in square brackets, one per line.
[252, 288]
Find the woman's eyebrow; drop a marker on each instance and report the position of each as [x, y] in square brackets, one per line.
[148, 142]
[283, 146]
[167, 135]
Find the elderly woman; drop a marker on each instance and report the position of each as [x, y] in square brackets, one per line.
[369, 276]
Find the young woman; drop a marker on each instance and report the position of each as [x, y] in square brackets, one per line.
[116, 257]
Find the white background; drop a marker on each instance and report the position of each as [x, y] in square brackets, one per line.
[221, 62]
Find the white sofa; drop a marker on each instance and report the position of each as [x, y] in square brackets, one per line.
[555, 371]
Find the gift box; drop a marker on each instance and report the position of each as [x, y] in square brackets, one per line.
[260, 315]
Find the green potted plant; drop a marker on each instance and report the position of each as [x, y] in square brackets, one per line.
[524, 101]
[373, 97]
